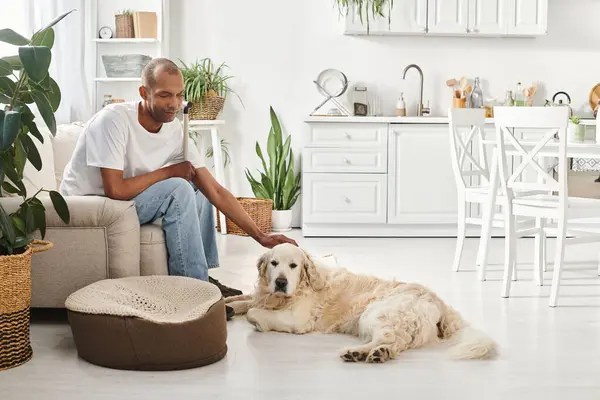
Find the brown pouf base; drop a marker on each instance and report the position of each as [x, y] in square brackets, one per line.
[133, 343]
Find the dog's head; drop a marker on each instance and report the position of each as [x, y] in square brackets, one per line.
[285, 269]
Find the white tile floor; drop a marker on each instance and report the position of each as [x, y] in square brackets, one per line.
[545, 353]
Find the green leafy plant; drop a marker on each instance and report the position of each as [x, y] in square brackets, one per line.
[125, 12]
[368, 9]
[204, 78]
[277, 181]
[224, 151]
[24, 79]
[575, 119]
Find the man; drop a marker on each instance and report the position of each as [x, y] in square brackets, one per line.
[134, 151]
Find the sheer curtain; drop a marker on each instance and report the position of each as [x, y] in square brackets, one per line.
[68, 53]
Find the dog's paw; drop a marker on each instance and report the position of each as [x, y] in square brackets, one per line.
[379, 354]
[241, 297]
[252, 317]
[353, 355]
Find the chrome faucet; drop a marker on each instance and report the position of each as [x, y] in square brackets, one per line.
[421, 110]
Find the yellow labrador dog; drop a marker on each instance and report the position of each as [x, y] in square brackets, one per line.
[295, 295]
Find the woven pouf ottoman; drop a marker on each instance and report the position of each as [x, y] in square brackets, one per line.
[149, 323]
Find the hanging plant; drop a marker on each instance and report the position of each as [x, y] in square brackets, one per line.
[366, 9]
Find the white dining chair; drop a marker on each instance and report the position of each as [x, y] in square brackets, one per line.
[473, 183]
[553, 204]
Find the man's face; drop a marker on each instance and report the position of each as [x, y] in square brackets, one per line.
[164, 100]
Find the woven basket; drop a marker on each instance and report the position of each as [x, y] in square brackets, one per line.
[124, 24]
[209, 108]
[259, 210]
[15, 299]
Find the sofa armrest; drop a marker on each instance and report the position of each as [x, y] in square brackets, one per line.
[118, 218]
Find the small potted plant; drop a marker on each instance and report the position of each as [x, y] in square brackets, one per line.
[124, 24]
[576, 131]
[206, 87]
[277, 181]
[24, 79]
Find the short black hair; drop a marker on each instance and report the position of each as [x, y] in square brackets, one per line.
[157, 64]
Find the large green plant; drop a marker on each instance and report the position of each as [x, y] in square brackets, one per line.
[366, 9]
[24, 80]
[277, 181]
[204, 78]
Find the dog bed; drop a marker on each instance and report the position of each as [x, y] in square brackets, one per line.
[149, 323]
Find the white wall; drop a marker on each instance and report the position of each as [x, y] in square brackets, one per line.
[275, 48]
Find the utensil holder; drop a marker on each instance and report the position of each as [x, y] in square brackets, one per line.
[458, 102]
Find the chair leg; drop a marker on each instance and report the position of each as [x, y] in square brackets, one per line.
[539, 250]
[484, 241]
[558, 261]
[509, 253]
[460, 234]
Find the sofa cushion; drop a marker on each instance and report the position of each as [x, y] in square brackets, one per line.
[153, 250]
[64, 144]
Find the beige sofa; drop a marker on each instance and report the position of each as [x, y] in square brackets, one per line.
[103, 239]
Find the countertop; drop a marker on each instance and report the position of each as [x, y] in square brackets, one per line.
[405, 120]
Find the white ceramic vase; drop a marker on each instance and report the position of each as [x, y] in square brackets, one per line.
[282, 220]
[575, 132]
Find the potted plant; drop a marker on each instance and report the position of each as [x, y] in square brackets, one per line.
[576, 131]
[206, 87]
[24, 80]
[278, 181]
[124, 24]
[369, 8]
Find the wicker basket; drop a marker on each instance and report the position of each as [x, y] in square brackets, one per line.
[209, 108]
[15, 299]
[259, 210]
[124, 24]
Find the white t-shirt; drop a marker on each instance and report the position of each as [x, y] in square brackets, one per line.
[114, 139]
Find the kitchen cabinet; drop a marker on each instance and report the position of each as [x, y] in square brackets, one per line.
[488, 17]
[527, 17]
[407, 17]
[421, 184]
[464, 18]
[448, 16]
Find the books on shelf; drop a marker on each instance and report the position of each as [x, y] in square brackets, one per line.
[145, 24]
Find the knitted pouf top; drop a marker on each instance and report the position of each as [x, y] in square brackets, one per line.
[161, 299]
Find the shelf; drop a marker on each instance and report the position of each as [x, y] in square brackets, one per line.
[126, 41]
[118, 79]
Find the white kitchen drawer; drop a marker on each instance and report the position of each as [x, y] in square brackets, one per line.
[370, 160]
[348, 135]
[344, 198]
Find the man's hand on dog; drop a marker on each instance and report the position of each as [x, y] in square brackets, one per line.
[270, 241]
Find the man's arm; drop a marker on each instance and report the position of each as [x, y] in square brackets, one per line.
[118, 188]
[225, 202]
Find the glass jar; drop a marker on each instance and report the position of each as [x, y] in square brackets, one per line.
[509, 101]
[360, 101]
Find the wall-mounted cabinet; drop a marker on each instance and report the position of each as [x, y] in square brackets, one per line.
[476, 18]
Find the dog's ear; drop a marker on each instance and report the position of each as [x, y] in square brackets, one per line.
[315, 280]
[261, 264]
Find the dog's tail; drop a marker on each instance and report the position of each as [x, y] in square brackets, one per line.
[466, 341]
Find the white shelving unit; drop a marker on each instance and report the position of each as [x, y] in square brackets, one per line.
[101, 13]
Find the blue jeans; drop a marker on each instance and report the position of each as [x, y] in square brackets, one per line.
[188, 223]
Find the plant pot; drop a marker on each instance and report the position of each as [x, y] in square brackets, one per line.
[282, 220]
[208, 108]
[575, 132]
[259, 210]
[15, 300]
[124, 24]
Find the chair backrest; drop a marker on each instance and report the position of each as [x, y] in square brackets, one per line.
[553, 122]
[469, 158]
